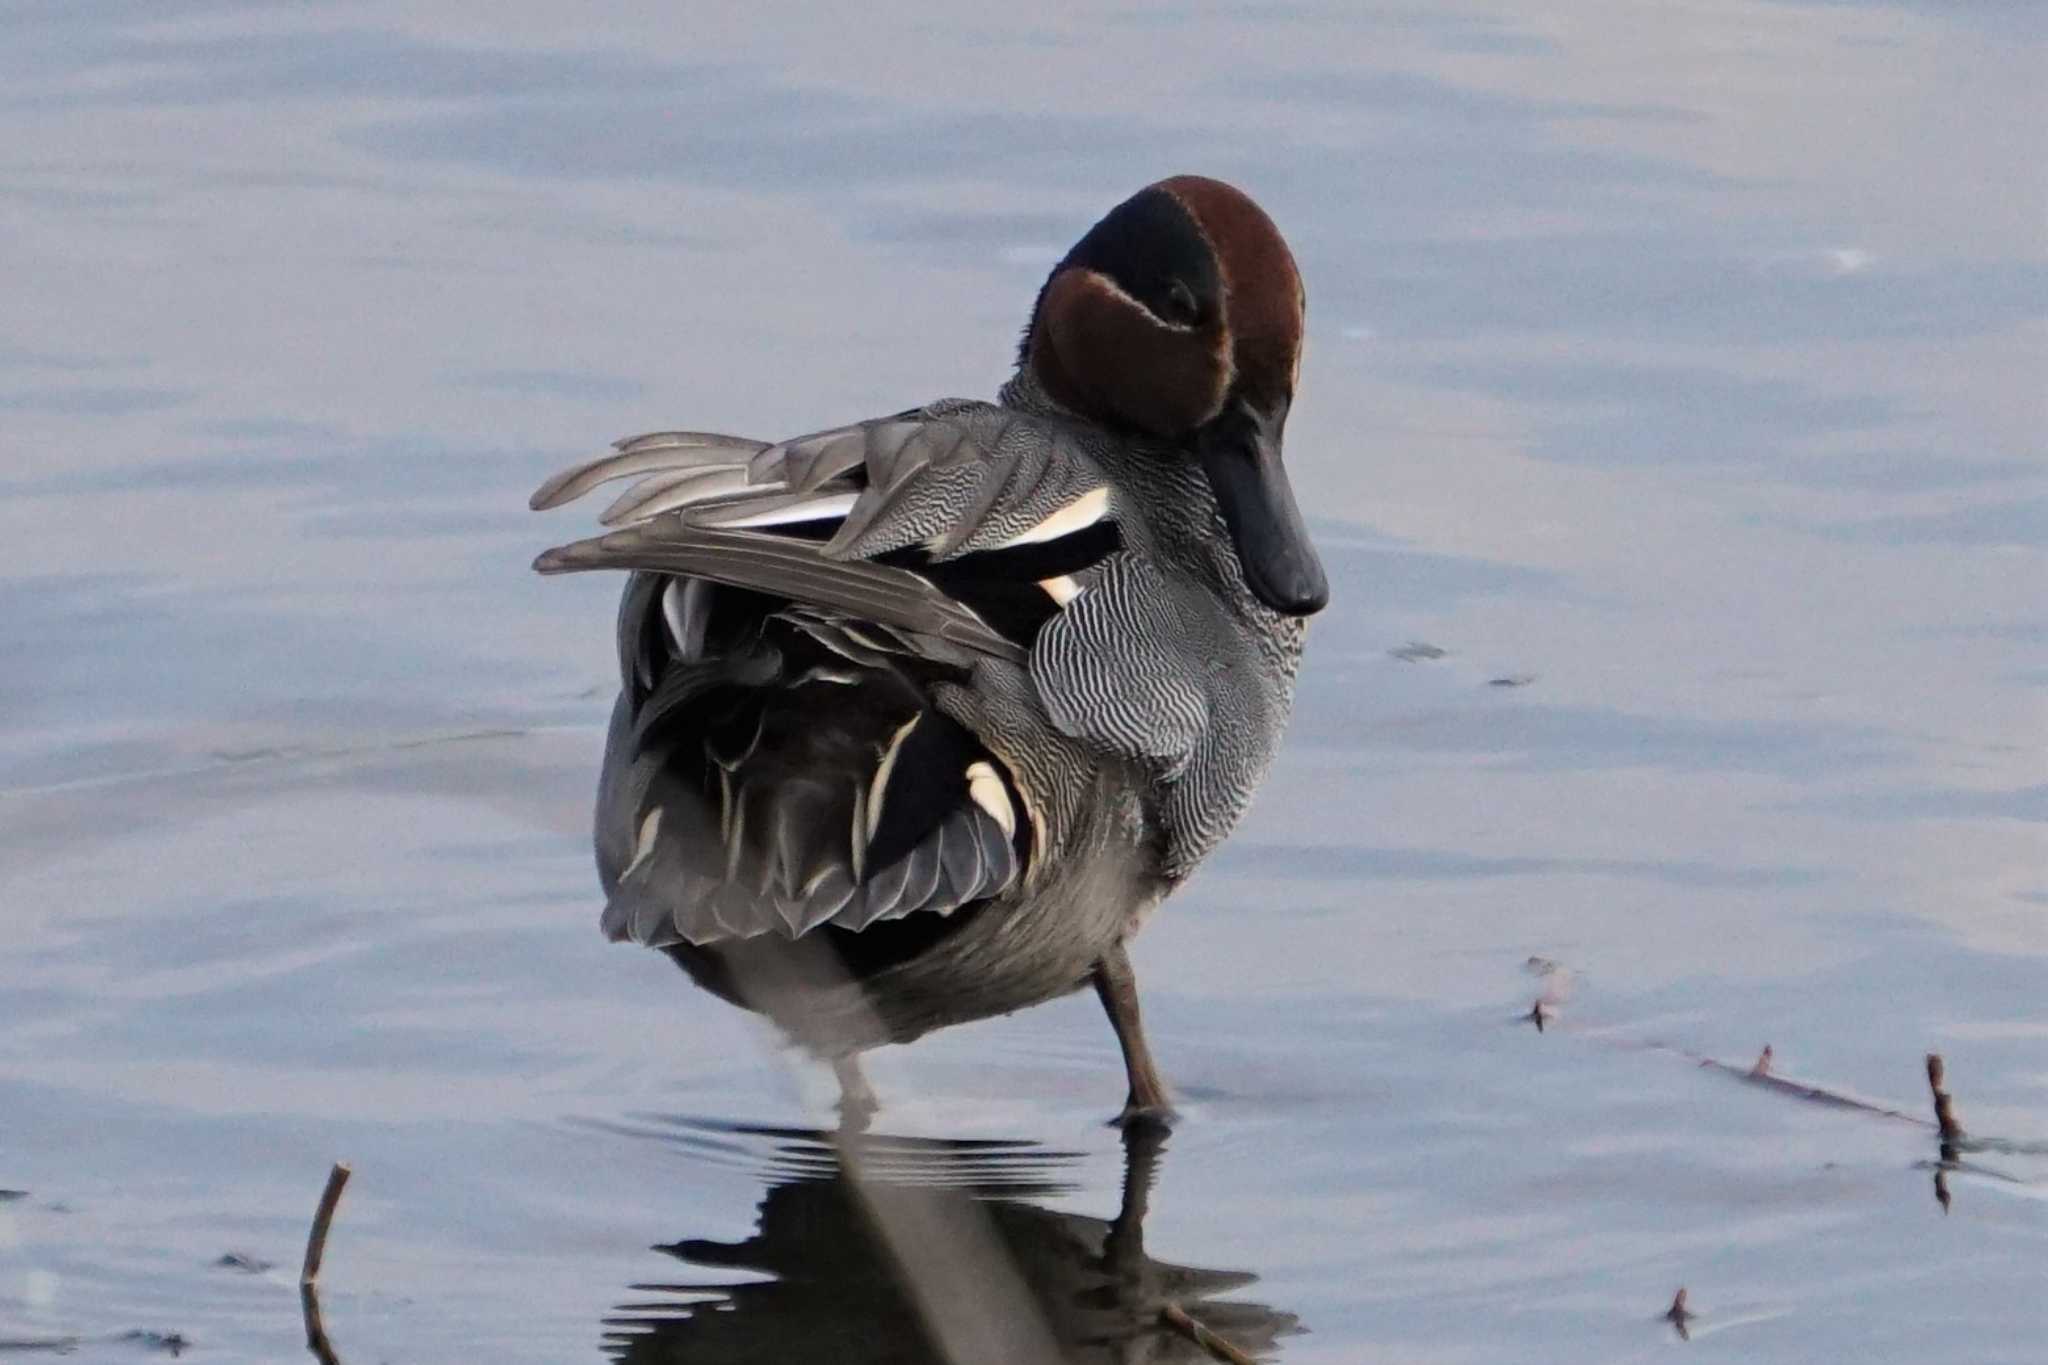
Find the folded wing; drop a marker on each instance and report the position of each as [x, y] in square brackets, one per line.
[846, 575]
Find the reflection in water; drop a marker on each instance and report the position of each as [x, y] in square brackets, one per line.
[836, 1296]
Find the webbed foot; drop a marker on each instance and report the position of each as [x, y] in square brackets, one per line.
[1155, 1117]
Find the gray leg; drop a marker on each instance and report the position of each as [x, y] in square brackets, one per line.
[1117, 986]
[857, 1103]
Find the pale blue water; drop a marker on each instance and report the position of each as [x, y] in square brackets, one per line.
[1679, 365]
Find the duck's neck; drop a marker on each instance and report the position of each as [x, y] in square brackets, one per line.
[1026, 393]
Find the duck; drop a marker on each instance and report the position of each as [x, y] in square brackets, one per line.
[921, 717]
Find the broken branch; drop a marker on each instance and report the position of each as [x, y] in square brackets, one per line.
[323, 1217]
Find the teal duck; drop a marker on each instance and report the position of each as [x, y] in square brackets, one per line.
[920, 717]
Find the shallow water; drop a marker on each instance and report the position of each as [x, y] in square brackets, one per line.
[1674, 381]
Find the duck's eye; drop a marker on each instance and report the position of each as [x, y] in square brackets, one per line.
[1181, 306]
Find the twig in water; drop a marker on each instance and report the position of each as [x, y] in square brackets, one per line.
[1537, 1014]
[316, 1248]
[316, 1330]
[1760, 1073]
[1950, 1129]
[1944, 1106]
[316, 1240]
[1176, 1317]
[1678, 1315]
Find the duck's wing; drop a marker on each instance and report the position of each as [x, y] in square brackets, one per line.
[960, 522]
[893, 560]
[729, 812]
[962, 525]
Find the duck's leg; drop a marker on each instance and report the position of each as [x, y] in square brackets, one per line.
[857, 1103]
[1117, 985]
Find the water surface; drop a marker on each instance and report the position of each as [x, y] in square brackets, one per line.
[1673, 426]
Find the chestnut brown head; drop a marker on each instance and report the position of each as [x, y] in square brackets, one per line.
[1179, 317]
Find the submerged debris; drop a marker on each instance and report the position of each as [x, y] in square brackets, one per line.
[1761, 1073]
[1557, 982]
[1511, 680]
[62, 1346]
[1678, 1315]
[1417, 652]
[1944, 1105]
[173, 1343]
[242, 1261]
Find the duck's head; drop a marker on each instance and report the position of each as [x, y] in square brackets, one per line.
[1179, 316]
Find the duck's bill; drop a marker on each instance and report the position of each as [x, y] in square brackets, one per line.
[1240, 449]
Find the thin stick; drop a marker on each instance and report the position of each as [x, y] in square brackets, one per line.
[1176, 1317]
[316, 1241]
[316, 1330]
[1678, 1315]
[1944, 1106]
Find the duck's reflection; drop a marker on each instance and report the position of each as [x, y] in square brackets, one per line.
[833, 1249]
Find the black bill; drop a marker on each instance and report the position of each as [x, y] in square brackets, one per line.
[1240, 449]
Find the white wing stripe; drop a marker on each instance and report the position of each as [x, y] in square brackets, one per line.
[776, 511]
[1077, 515]
[1061, 590]
[986, 791]
[880, 785]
